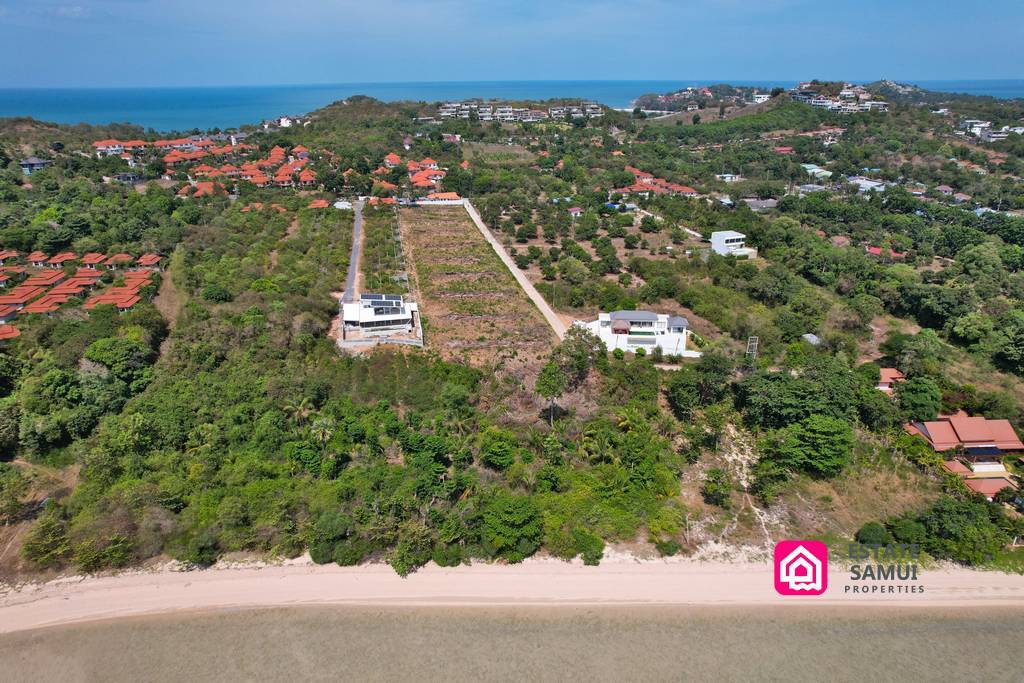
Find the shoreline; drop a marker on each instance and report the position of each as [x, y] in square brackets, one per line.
[620, 580]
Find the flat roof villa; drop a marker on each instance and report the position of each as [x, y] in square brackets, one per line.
[380, 318]
[731, 243]
[633, 330]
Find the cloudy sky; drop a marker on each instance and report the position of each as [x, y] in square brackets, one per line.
[82, 43]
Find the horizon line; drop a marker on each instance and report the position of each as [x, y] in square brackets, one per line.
[713, 81]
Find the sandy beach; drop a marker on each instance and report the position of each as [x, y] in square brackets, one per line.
[619, 580]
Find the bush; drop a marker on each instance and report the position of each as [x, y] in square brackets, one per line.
[47, 542]
[589, 545]
[216, 294]
[873, 533]
[667, 548]
[717, 487]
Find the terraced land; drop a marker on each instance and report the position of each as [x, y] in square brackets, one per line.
[382, 263]
[472, 308]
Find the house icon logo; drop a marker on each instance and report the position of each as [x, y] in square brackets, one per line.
[801, 567]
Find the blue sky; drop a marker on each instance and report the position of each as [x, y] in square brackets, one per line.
[83, 43]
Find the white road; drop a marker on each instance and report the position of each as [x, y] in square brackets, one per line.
[557, 324]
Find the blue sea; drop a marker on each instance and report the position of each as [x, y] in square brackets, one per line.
[186, 108]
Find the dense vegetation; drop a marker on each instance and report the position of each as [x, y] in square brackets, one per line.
[235, 425]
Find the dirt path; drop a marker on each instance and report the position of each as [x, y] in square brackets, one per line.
[168, 302]
[351, 279]
[553, 319]
[293, 228]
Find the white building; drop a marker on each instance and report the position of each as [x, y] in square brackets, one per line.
[380, 314]
[731, 243]
[633, 330]
[759, 98]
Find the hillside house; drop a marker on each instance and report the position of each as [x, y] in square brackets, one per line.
[380, 314]
[979, 444]
[33, 164]
[731, 243]
[888, 377]
[634, 330]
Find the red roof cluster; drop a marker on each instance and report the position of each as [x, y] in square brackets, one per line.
[647, 182]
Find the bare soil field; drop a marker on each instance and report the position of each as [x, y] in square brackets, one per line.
[472, 308]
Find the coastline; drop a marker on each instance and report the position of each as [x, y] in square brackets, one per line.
[620, 580]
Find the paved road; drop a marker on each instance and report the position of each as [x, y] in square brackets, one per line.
[549, 314]
[353, 259]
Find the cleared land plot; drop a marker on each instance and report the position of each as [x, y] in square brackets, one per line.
[472, 308]
[382, 262]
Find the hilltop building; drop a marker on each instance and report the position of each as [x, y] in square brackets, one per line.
[634, 330]
[731, 243]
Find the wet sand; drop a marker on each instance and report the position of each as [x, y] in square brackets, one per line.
[529, 643]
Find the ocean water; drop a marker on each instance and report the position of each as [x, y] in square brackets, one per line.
[181, 109]
[791, 643]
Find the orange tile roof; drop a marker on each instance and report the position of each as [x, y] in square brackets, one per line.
[89, 273]
[21, 295]
[318, 204]
[37, 257]
[890, 375]
[45, 304]
[93, 258]
[47, 279]
[62, 257]
[989, 487]
[443, 195]
[8, 332]
[148, 259]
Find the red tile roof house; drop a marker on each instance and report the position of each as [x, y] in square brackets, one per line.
[7, 314]
[318, 204]
[887, 378]
[93, 259]
[60, 259]
[45, 305]
[119, 260]
[884, 252]
[7, 254]
[981, 444]
[392, 160]
[149, 261]
[7, 333]
[45, 279]
[37, 259]
[20, 296]
[121, 299]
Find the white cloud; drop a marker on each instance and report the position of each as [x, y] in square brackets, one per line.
[71, 11]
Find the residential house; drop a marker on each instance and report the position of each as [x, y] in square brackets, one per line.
[731, 243]
[887, 379]
[33, 164]
[635, 330]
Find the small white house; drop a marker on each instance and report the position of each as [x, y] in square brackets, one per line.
[634, 330]
[731, 243]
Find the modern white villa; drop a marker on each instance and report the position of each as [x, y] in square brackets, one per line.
[380, 314]
[633, 330]
[731, 243]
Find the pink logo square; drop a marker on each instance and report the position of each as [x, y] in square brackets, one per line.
[801, 567]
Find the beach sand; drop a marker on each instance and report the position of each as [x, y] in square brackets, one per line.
[619, 580]
[590, 643]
